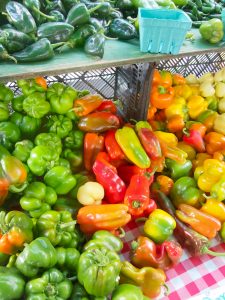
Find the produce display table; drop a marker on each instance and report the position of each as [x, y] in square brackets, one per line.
[193, 275]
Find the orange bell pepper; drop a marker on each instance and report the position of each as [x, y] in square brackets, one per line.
[110, 217]
[156, 79]
[42, 82]
[201, 222]
[183, 91]
[161, 97]
[151, 112]
[178, 79]
[175, 123]
[214, 142]
[166, 78]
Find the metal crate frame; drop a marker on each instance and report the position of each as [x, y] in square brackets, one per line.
[131, 83]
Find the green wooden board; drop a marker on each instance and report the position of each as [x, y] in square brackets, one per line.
[117, 53]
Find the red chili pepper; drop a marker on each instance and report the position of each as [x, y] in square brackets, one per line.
[112, 147]
[195, 139]
[138, 194]
[107, 105]
[150, 143]
[93, 144]
[107, 176]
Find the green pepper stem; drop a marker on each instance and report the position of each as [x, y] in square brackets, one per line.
[56, 45]
[167, 290]
[68, 224]
[72, 278]
[122, 233]
[91, 10]
[15, 189]
[141, 219]
[205, 250]
[7, 56]
[43, 14]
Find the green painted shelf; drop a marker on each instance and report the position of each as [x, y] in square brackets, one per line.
[117, 53]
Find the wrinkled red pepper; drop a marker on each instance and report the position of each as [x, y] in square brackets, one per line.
[107, 176]
[145, 253]
[150, 143]
[195, 139]
[93, 144]
[112, 147]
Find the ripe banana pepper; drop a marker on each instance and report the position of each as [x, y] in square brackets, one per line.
[149, 279]
[201, 222]
[212, 171]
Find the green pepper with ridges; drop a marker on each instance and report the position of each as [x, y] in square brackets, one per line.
[75, 158]
[35, 105]
[128, 291]
[6, 94]
[98, 271]
[12, 284]
[67, 259]
[22, 150]
[49, 139]
[60, 125]
[60, 179]
[17, 103]
[212, 30]
[38, 198]
[10, 134]
[41, 159]
[29, 86]
[36, 256]
[4, 111]
[74, 139]
[28, 125]
[61, 97]
[59, 228]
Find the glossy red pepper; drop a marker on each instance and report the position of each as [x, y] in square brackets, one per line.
[145, 253]
[195, 139]
[149, 209]
[107, 176]
[107, 105]
[93, 144]
[112, 147]
[137, 194]
[127, 171]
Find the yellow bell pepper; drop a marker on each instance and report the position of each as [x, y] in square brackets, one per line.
[212, 172]
[195, 88]
[183, 90]
[196, 105]
[177, 107]
[214, 208]
[199, 159]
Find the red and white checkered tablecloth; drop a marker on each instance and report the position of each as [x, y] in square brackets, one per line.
[193, 275]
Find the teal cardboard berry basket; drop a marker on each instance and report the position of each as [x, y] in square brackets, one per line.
[162, 30]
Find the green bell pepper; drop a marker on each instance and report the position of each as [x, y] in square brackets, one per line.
[4, 259]
[67, 259]
[79, 293]
[10, 134]
[51, 285]
[63, 162]
[28, 126]
[159, 226]
[185, 191]
[180, 3]
[98, 271]
[17, 103]
[75, 158]
[104, 238]
[4, 111]
[35, 105]
[12, 284]
[74, 139]
[6, 94]
[178, 170]
[166, 4]
[41, 159]
[60, 125]
[38, 198]
[128, 291]
[144, 3]
[29, 86]
[60, 179]
[61, 97]
[212, 30]
[36, 256]
[50, 140]
[58, 227]
[22, 150]
[71, 205]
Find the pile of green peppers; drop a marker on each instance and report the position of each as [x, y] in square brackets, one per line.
[34, 30]
[43, 253]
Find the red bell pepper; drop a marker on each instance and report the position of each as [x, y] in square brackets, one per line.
[93, 144]
[195, 139]
[127, 171]
[137, 194]
[112, 147]
[149, 209]
[107, 176]
[145, 253]
[107, 105]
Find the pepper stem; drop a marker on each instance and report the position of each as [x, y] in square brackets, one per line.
[91, 10]
[134, 245]
[56, 45]
[64, 225]
[141, 219]
[167, 290]
[206, 250]
[43, 14]
[185, 132]
[15, 189]
[7, 56]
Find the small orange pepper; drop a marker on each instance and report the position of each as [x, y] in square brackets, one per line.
[175, 123]
[42, 82]
[178, 79]
[161, 96]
